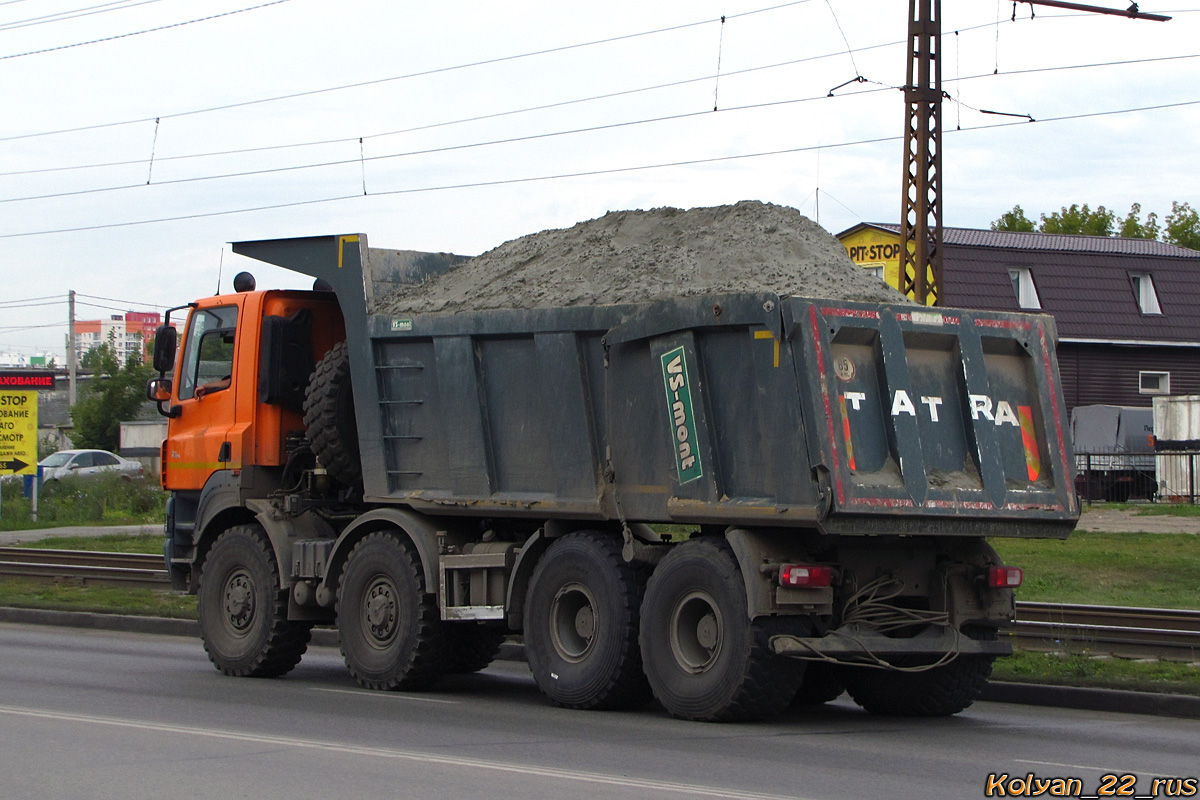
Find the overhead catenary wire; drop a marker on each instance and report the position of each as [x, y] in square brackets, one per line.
[570, 175]
[362, 159]
[405, 76]
[114, 37]
[62, 16]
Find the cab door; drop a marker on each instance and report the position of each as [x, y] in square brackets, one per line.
[200, 437]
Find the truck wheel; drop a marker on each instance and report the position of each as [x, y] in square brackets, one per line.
[329, 419]
[243, 611]
[822, 683]
[581, 624]
[387, 622]
[704, 657]
[937, 692]
[470, 647]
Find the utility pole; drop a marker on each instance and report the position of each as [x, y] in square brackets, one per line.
[72, 356]
[921, 203]
[921, 212]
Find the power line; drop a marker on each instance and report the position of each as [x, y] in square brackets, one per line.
[118, 5]
[119, 300]
[4, 303]
[531, 137]
[139, 33]
[406, 76]
[581, 174]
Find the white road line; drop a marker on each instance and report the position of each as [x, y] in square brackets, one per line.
[1111, 770]
[388, 695]
[405, 755]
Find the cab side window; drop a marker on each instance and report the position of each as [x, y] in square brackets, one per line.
[208, 352]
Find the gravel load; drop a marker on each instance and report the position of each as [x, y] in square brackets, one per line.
[638, 256]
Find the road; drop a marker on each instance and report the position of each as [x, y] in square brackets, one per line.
[88, 714]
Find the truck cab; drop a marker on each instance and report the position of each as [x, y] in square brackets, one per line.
[234, 399]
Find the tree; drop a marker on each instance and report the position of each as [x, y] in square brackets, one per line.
[113, 396]
[1080, 220]
[1133, 228]
[1183, 226]
[1014, 221]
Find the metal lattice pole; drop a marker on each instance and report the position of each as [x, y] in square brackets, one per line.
[921, 217]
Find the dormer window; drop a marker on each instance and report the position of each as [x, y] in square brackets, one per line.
[1023, 288]
[1143, 290]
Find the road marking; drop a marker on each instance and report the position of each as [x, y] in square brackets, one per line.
[404, 755]
[387, 695]
[1071, 766]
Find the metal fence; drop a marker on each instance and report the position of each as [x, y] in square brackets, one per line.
[1165, 476]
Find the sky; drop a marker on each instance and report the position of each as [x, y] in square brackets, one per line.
[140, 137]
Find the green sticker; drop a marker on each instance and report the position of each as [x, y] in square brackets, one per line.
[402, 325]
[679, 411]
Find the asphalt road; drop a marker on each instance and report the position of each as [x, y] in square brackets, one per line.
[91, 714]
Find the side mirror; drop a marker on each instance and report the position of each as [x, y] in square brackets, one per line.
[158, 390]
[165, 340]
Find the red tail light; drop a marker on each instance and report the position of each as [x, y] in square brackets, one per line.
[1005, 577]
[805, 575]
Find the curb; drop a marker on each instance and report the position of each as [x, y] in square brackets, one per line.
[1032, 694]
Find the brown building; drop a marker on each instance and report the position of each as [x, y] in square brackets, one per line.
[1127, 310]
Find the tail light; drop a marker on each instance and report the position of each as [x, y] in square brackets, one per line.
[1005, 577]
[805, 576]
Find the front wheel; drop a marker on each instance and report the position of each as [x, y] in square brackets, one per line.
[704, 657]
[388, 624]
[243, 610]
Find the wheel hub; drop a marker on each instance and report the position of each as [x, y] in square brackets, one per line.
[379, 612]
[239, 600]
[573, 622]
[696, 632]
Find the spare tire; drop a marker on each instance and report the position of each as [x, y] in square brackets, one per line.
[329, 417]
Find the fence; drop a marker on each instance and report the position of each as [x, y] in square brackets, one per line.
[1166, 476]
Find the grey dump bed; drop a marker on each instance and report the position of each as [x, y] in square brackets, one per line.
[733, 409]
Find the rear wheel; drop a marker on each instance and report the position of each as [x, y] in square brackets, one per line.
[470, 646]
[387, 622]
[704, 657]
[935, 692]
[243, 610]
[822, 683]
[581, 624]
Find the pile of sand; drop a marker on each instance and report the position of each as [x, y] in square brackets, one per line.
[637, 256]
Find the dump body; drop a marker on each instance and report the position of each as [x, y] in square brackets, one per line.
[743, 409]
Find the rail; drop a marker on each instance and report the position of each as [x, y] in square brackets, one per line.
[1170, 634]
[1166, 633]
[131, 570]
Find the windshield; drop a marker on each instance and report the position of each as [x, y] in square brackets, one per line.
[55, 460]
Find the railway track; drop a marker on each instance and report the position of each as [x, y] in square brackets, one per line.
[1170, 634]
[132, 570]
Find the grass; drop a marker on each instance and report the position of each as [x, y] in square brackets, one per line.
[102, 500]
[72, 595]
[1100, 673]
[150, 543]
[1153, 570]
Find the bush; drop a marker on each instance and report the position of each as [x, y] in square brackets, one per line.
[106, 499]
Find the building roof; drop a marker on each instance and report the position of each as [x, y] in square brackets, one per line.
[1084, 281]
[1049, 242]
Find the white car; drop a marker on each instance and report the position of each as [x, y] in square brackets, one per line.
[86, 463]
